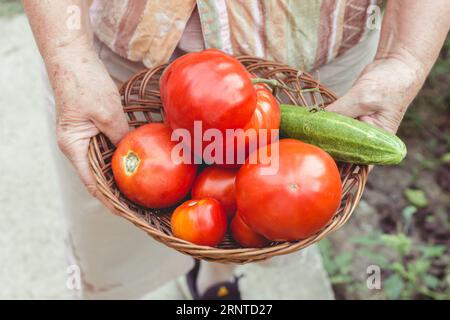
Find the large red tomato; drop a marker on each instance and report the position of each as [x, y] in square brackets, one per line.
[217, 183]
[202, 222]
[266, 116]
[208, 86]
[293, 200]
[144, 171]
[244, 235]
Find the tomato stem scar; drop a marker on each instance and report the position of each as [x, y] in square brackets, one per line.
[293, 186]
[131, 163]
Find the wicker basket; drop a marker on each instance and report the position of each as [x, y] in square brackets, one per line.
[141, 101]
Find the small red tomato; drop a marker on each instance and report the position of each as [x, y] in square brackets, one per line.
[202, 222]
[144, 171]
[245, 236]
[266, 116]
[291, 197]
[217, 183]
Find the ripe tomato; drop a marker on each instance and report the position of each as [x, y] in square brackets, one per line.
[202, 222]
[266, 116]
[209, 86]
[267, 113]
[244, 235]
[217, 183]
[144, 171]
[295, 201]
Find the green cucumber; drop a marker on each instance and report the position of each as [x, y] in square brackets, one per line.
[344, 138]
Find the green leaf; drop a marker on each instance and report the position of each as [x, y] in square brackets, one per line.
[375, 258]
[397, 267]
[408, 212]
[399, 242]
[432, 251]
[447, 279]
[446, 158]
[431, 281]
[330, 265]
[393, 286]
[418, 267]
[369, 241]
[344, 259]
[416, 197]
[325, 247]
[429, 164]
[341, 279]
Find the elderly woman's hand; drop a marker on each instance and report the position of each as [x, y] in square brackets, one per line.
[87, 102]
[412, 34]
[381, 94]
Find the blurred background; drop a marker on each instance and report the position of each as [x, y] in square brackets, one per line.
[402, 224]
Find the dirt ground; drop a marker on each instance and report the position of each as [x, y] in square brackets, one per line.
[410, 201]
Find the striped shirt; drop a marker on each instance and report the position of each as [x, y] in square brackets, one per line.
[302, 33]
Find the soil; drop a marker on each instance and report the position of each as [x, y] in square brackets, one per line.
[426, 132]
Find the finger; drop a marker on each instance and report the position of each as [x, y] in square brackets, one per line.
[388, 123]
[114, 126]
[348, 105]
[368, 119]
[76, 151]
[81, 163]
[87, 177]
[112, 123]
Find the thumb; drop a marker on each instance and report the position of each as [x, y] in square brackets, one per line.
[114, 124]
[82, 166]
[348, 105]
[80, 161]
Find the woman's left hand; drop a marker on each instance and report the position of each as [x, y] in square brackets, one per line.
[382, 93]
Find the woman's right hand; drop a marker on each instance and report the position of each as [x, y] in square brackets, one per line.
[87, 102]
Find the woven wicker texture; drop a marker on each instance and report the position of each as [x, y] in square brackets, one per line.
[141, 103]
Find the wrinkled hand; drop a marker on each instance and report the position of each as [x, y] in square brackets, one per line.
[87, 102]
[381, 94]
